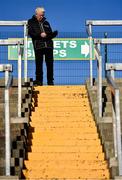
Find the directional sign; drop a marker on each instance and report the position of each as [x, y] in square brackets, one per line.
[85, 49]
[64, 49]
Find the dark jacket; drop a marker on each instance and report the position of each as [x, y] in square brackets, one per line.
[35, 28]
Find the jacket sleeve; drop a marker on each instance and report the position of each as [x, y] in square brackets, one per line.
[32, 32]
[51, 34]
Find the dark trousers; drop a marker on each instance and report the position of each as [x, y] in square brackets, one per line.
[39, 57]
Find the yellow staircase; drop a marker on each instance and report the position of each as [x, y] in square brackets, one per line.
[64, 143]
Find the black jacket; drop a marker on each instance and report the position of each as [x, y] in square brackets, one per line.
[35, 28]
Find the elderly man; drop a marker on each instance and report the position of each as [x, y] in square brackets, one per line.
[41, 33]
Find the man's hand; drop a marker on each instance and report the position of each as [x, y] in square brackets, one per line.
[54, 34]
[43, 35]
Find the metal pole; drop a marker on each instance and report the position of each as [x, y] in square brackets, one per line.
[90, 51]
[25, 51]
[19, 79]
[99, 83]
[7, 128]
[106, 53]
[100, 86]
[118, 130]
[112, 73]
[114, 124]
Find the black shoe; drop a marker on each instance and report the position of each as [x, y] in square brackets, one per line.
[37, 83]
[51, 83]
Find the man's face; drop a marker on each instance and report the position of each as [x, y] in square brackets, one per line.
[40, 15]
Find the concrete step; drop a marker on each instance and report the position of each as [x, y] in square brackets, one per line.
[51, 178]
[61, 119]
[74, 173]
[12, 105]
[66, 164]
[67, 148]
[14, 90]
[18, 145]
[2, 153]
[2, 171]
[9, 177]
[24, 112]
[106, 96]
[66, 156]
[62, 105]
[72, 114]
[108, 113]
[62, 100]
[17, 132]
[65, 109]
[14, 97]
[60, 116]
[105, 129]
[64, 134]
[65, 125]
[15, 82]
[69, 130]
[104, 81]
[63, 88]
[118, 178]
[109, 149]
[58, 134]
[19, 155]
[68, 137]
[63, 142]
[2, 141]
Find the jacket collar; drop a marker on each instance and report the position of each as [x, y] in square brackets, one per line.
[35, 19]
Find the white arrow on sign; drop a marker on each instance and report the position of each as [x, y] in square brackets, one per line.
[85, 49]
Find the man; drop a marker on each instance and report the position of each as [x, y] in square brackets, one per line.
[41, 33]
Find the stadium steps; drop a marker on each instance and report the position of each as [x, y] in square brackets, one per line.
[63, 142]
[18, 130]
[105, 124]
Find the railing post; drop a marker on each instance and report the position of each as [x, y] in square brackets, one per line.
[19, 79]
[114, 119]
[100, 86]
[106, 53]
[7, 128]
[25, 51]
[112, 73]
[90, 51]
[118, 130]
[114, 126]
[99, 83]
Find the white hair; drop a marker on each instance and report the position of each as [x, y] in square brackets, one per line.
[38, 9]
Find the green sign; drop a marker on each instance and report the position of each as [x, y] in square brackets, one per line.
[64, 49]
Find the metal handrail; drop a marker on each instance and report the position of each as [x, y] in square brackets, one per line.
[104, 22]
[111, 83]
[99, 84]
[89, 24]
[8, 82]
[13, 23]
[108, 41]
[24, 24]
[18, 43]
[97, 43]
[19, 79]
[116, 121]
